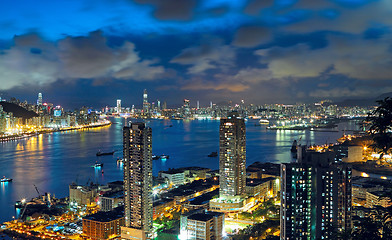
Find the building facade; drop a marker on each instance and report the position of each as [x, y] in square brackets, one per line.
[232, 156]
[202, 226]
[103, 225]
[137, 152]
[82, 195]
[315, 198]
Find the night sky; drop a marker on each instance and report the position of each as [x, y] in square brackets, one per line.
[85, 52]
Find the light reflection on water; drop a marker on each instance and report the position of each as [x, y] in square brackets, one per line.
[52, 161]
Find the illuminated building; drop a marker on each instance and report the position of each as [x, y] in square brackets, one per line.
[186, 107]
[110, 200]
[39, 100]
[173, 176]
[232, 156]
[3, 123]
[103, 225]
[82, 195]
[137, 152]
[118, 105]
[378, 198]
[232, 161]
[145, 101]
[203, 226]
[315, 197]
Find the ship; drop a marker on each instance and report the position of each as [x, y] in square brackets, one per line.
[161, 157]
[99, 153]
[264, 121]
[98, 165]
[213, 154]
[4, 179]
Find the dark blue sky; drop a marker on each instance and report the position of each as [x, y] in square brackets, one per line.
[85, 52]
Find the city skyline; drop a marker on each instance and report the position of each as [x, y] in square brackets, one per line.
[259, 51]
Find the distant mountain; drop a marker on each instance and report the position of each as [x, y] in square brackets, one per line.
[383, 96]
[17, 110]
[363, 102]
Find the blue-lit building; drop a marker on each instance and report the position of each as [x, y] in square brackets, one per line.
[315, 197]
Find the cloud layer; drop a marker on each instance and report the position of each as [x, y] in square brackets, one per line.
[256, 49]
[31, 60]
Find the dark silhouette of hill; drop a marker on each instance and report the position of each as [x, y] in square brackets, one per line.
[363, 102]
[17, 110]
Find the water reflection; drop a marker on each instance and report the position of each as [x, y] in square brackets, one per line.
[53, 161]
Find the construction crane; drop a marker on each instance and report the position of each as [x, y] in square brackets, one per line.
[36, 189]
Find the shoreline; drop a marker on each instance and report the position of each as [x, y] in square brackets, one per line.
[363, 167]
[28, 135]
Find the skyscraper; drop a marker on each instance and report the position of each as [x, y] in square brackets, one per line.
[118, 105]
[137, 150]
[39, 100]
[232, 156]
[186, 107]
[315, 197]
[145, 101]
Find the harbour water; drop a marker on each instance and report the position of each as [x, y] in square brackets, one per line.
[52, 161]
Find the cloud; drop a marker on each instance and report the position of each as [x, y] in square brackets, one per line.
[31, 60]
[180, 10]
[343, 16]
[357, 58]
[251, 36]
[197, 85]
[254, 7]
[206, 57]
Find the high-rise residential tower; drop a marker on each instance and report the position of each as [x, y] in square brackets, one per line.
[145, 101]
[39, 100]
[137, 150]
[315, 197]
[232, 156]
[118, 105]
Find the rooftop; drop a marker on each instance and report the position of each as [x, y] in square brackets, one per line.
[106, 216]
[173, 171]
[204, 216]
[256, 182]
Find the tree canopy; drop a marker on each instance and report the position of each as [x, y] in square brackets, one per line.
[381, 126]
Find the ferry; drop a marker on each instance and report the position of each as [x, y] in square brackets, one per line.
[99, 153]
[4, 179]
[264, 121]
[213, 154]
[161, 157]
[98, 165]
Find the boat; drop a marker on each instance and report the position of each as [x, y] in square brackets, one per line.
[161, 157]
[264, 121]
[98, 165]
[213, 154]
[99, 153]
[4, 179]
[20, 204]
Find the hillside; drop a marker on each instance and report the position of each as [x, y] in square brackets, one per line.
[17, 110]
